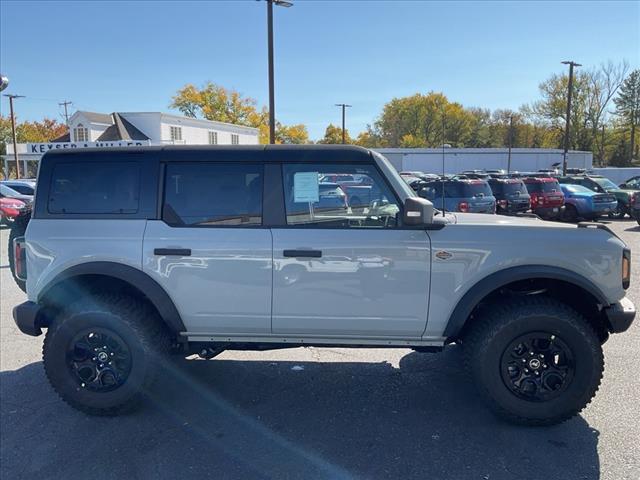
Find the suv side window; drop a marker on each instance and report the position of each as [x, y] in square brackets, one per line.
[95, 188]
[213, 194]
[309, 200]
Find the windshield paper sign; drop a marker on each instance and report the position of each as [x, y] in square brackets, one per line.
[305, 187]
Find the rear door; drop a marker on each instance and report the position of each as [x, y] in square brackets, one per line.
[343, 270]
[210, 251]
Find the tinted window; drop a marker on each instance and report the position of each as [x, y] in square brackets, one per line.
[547, 187]
[311, 200]
[22, 189]
[215, 194]
[508, 188]
[477, 189]
[95, 187]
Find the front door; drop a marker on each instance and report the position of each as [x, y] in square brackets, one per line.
[210, 251]
[344, 269]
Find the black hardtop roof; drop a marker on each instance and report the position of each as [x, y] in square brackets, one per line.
[290, 153]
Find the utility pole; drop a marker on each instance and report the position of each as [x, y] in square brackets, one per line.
[66, 114]
[272, 102]
[510, 143]
[13, 131]
[344, 131]
[571, 64]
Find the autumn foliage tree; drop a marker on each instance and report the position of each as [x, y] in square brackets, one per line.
[30, 132]
[220, 104]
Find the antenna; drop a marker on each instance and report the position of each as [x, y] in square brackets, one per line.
[443, 169]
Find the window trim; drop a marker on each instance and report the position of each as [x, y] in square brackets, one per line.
[84, 130]
[101, 215]
[372, 164]
[163, 192]
[175, 128]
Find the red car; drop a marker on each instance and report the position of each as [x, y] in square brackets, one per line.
[10, 208]
[547, 199]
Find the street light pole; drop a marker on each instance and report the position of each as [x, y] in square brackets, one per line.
[272, 101]
[13, 132]
[344, 131]
[510, 143]
[571, 64]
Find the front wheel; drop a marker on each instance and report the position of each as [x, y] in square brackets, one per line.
[102, 354]
[535, 360]
[619, 212]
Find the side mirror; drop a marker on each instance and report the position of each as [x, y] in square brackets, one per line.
[417, 211]
[623, 185]
[424, 192]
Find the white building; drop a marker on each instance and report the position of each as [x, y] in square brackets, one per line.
[430, 160]
[456, 160]
[125, 129]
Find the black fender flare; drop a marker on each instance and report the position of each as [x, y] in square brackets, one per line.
[134, 277]
[501, 278]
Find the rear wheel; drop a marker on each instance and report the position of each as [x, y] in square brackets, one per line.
[535, 360]
[102, 354]
[619, 212]
[570, 213]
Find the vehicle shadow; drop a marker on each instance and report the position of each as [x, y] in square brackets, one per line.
[264, 419]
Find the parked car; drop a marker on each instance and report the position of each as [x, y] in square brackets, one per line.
[600, 184]
[511, 195]
[631, 184]
[8, 192]
[475, 174]
[460, 195]
[635, 210]
[22, 186]
[10, 208]
[547, 199]
[580, 202]
[121, 273]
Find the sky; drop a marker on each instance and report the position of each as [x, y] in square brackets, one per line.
[133, 56]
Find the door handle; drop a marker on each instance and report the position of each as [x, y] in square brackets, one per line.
[177, 252]
[302, 253]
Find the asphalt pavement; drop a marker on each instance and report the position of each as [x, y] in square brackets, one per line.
[313, 413]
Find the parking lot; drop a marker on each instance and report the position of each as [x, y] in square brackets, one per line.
[313, 413]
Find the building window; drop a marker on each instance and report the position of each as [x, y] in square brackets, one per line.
[235, 139]
[213, 138]
[81, 134]
[176, 133]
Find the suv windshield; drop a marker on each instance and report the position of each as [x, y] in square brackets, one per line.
[605, 183]
[509, 188]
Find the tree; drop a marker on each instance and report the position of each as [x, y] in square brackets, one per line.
[593, 90]
[220, 104]
[44, 131]
[292, 134]
[369, 139]
[417, 121]
[333, 134]
[5, 133]
[628, 107]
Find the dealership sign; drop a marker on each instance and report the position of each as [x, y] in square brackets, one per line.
[39, 148]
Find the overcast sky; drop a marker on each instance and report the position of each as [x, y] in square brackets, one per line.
[133, 56]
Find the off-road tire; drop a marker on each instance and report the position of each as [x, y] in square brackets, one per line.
[135, 322]
[18, 229]
[489, 336]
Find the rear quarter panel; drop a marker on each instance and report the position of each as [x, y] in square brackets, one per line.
[54, 245]
[480, 250]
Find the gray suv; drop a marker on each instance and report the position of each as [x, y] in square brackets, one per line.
[132, 254]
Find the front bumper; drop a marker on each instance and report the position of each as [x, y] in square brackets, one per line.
[28, 318]
[620, 315]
